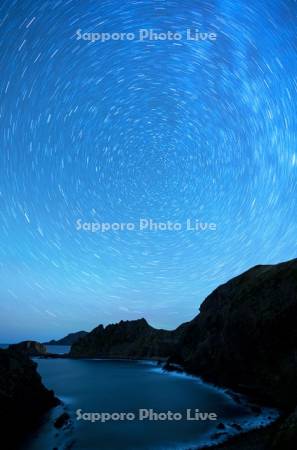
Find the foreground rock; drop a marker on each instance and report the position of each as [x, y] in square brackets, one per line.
[278, 436]
[286, 436]
[62, 420]
[30, 348]
[70, 339]
[129, 339]
[23, 398]
[254, 440]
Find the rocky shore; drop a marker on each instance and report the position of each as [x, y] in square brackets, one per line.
[244, 338]
[30, 348]
[279, 436]
[260, 439]
[23, 398]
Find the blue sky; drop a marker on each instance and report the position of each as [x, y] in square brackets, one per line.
[118, 131]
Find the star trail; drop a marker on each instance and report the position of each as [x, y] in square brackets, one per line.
[128, 129]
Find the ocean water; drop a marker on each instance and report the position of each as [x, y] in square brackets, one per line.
[58, 349]
[122, 386]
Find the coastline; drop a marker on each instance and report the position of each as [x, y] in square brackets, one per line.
[257, 439]
[254, 438]
[240, 437]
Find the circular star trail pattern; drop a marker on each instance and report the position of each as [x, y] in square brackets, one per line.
[123, 130]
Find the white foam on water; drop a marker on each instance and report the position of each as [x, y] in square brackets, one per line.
[261, 420]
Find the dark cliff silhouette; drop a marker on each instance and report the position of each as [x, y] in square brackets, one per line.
[244, 337]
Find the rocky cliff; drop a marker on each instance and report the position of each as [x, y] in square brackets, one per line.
[68, 340]
[127, 339]
[23, 398]
[30, 348]
[245, 336]
[286, 436]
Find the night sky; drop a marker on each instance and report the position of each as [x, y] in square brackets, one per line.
[122, 130]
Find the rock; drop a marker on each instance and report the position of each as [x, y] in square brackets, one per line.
[69, 339]
[245, 336]
[62, 420]
[259, 439]
[23, 398]
[30, 348]
[286, 438]
[127, 339]
[171, 367]
[236, 426]
[256, 409]
[217, 436]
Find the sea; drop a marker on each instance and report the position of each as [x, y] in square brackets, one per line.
[93, 389]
